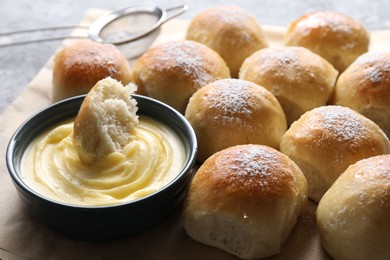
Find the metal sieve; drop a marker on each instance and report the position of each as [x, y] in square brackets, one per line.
[137, 25]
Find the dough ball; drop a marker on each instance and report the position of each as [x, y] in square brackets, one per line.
[229, 30]
[353, 216]
[79, 66]
[300, 79]
[173, 71]
[328, 139]
[229, 112]
[245, 200]
[365, 87]
[338, 38]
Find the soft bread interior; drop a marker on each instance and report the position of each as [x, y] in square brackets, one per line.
[231, 234]
[216, 229]
[105, 121]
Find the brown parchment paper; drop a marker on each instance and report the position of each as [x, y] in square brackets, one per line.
[21, 237]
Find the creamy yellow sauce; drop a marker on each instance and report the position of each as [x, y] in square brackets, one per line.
[51, 166]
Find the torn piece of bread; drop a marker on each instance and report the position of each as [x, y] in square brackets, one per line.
[105, 121]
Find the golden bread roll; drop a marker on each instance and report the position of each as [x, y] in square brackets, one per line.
[229, 30]
[105, 121]
[245, 200]
[229, 112]
[173, 71]
[300, 79]
[328, 139]
[353, 216]
[365, 87]
[336, 37]
[79, 66]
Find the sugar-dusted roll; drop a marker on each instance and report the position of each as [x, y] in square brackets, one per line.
[300, 79]
[229, 112]
[353, 216]
[79, 66]
[328, 139]
[173, 71]
[338, 38]
[365, 87]
[229, 30]
[245, 200]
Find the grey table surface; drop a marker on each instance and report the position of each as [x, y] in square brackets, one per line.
[19, 64]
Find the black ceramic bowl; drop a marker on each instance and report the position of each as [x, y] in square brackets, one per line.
[101, 222]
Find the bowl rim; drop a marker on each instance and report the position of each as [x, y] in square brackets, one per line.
[187, 167]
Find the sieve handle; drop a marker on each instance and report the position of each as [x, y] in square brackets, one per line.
[175, 11]
[42, 39]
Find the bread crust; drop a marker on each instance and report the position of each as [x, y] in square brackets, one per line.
[173, 71]
[328, 139]
[338, 38]
[300, 79]
[79, 66]
[353, 216]
[235, 34]
[365, 87]
[229, 112]
[245, 200]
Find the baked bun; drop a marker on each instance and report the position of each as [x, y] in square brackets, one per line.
[79, 66]
[365, 87]
[229, 112]
[300, 79]
[105, 121]
[336, 37]
[328, 139]
[173, 71]
[229, 30]
[245, 200]
[353, 216]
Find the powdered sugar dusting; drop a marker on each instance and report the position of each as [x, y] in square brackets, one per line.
[371, 58]
[372, 176]
[92, 57]
[183, 56]
[374, 169]
[332, 25]
[255, 166]
[230, 15]
[232, 98]
[277, 61]
[344, 124]
[334, 21]
[378, 74]
[234, 17]
[376, 66]
[254, 161]
[279, 57]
